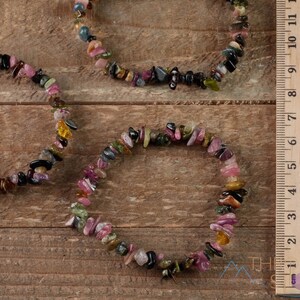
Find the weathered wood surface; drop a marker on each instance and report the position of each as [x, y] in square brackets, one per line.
[160, 198]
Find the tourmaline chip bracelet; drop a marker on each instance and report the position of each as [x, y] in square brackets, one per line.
[231, 198]
[38, 168]
[229, 58]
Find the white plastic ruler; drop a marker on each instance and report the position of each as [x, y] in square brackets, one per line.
[288, 148]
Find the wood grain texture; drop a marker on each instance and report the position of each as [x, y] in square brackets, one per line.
[160, 198]
[59, 263]
[154, 185]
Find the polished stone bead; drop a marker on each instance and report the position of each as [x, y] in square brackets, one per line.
[223, 209]
[235, 185]
[106, 55]
[140, 82]
[5, 62]
[22, 179]
[47, 155]
[41, 163]
[208, 136]
[84, 186]
[186, 131]
[37, 76]
[108, 238]
[161, 75]
[113, 244]
[30, 178]
[61, 114]
[113, 69]
[165, 263]
[14, 178]
[20, 64]
[79, 7]
[103, 229]
[40, 176]
[91, 173]
[224, 153]
[189, 78]
[162, 140]
[171, 126]
[221, 69]
[222, 238]
[201, 262]
[241, 40]
[193, 137]
[237, 48]
[230, 54]
[168, 132]
[43, 80]
[49, 82]
[71, 124]
[40, 170]
[53, 89]
[174, 75]
[232, 170]
[63, 130]
[117, 147]
[79, 210]
[101, 63]
[151, 259]
[109, 154]
[230, 66]
[229, 201]
[133, 134]
[89, 226]
[214, 146]
[130, 255]
[127, 139]
[212, 84]
[13, 61]
[200, 136]
[122, 249]
[214, 74]
[56, 102]
[199, 79]
[70, 222]
[84, 33]
[84, 201]
[91, 38]
[211, 251]
[64, 142]
[76, 222]
[56, 153]
[229, 218]
[141, 257]
[237, 194]
[147, 136]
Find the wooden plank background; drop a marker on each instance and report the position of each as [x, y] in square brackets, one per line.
[161, 198]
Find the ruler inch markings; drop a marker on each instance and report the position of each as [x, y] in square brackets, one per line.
[287, 147]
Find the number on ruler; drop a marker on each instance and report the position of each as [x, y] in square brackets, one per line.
[291, 216]
[292, 93]
[292, 191]
[292, 166]
[291, 241]
[292, 142]
[292, 41]
[292, 18]
[290, 117]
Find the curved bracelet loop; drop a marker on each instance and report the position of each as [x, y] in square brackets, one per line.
[230, 200]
